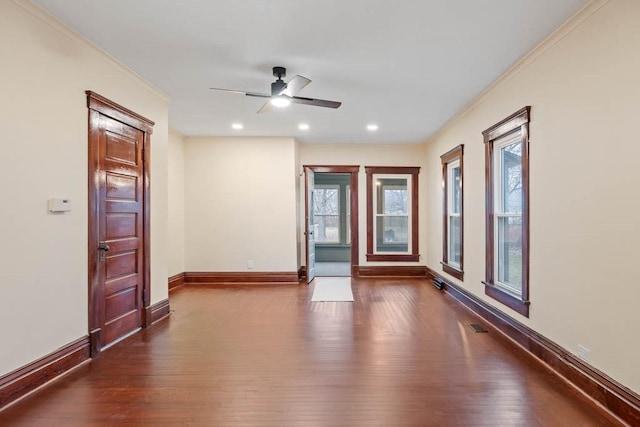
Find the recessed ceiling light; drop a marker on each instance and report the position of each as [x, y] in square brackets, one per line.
[372, 127]
[237, 126]
[303, 126]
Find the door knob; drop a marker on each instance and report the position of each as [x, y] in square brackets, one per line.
[102, 248]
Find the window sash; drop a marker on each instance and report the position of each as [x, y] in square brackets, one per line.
[376, 209]
[502, 262]
[451, 260]
[452, 207]
[499, 179]
[500, 183]
[453, 211]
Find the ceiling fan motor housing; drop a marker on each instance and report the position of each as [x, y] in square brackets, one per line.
[277, 87]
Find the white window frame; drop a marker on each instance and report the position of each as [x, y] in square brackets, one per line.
[326, 187]
[498, 208]
[409, 189]
[450, 214]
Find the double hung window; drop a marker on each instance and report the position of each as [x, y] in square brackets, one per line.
[452, 230]
[507, 211]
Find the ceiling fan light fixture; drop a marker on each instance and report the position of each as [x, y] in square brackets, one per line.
[280, 101]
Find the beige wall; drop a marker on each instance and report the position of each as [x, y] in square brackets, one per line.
[240, 204]
[43, 129]
[582, 85]
[176, 204]
[366, 155]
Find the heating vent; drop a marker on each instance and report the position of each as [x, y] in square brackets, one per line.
[477, 328]
[438, 283]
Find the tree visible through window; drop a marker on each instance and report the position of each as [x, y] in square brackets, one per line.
[326, 212]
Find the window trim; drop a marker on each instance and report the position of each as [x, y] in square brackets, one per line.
[448, 158]
[330, 187]
[518, 121]
[413, 256]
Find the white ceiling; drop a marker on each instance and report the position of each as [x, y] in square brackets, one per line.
[407, 65]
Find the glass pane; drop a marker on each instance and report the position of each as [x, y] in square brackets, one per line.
[455, 239]
[326, 201]
[392, 196]
[511, 161]
[327, 229]
[392, 234]
[348, 207]
[509, 247]
[455, 190]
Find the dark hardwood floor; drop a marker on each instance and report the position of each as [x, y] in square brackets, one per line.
[401, 355]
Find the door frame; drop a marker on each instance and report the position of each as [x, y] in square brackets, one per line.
[353, 171]
[101, 106]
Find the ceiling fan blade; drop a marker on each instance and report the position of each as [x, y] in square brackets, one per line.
[316, 102]
[266, 107]
[295, 85]
[260, 95]
[257, 95]
[227, 90]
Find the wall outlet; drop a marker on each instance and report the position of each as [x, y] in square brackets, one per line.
[584, 353]
[249, 265]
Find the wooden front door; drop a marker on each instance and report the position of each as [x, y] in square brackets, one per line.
[117, 251]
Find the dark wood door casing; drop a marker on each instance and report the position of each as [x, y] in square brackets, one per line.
[119, 287]
[353, 171]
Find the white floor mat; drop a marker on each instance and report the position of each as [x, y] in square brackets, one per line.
[332, 289]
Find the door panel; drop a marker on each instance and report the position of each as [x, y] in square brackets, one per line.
[121, 187]
[121, 225]
[114, 328]
[118, 303]
[121, 283]
[120, 213]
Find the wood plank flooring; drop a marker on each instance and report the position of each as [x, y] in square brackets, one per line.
[402, 354]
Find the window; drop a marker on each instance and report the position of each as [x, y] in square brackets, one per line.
[326, 213]
[392, 213]
[452, 218]
[507, 211]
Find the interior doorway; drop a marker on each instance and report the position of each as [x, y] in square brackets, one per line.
[331, 220]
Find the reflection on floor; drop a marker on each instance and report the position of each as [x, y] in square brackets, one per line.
[253, 356]
[333, 269]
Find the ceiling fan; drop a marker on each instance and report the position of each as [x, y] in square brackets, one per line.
[283, 94]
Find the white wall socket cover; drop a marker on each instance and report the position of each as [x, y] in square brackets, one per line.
[583, 353]
[59, 205]
[249, 265]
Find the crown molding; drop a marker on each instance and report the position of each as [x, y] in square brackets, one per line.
[564, 30]
[36, 11]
